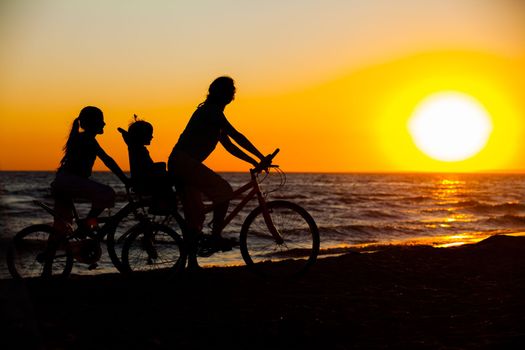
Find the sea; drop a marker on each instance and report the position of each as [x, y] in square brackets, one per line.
[352, 211]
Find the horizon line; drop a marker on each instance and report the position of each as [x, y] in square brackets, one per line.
[364, 172]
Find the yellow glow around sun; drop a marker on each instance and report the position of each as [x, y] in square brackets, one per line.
[450, 126]
[424, 80]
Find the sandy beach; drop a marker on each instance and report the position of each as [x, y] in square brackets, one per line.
[406, 297]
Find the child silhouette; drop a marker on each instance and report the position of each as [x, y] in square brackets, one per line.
[148, 177]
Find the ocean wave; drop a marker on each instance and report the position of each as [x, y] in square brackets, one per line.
[434, 211]
[363, 230]
[417, 198]
[346, 230]
[291, 196]
[467, 203]
[17, 201]
[378, 214]
[486, 208]
[348, 208]
[381, 195]
[33, 191]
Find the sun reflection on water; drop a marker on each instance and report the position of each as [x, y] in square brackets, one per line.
[448, 189]
[448, 193]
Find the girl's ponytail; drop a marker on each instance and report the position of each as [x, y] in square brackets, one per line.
[75, 130]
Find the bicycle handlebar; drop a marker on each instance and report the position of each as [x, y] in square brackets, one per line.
[265, 163]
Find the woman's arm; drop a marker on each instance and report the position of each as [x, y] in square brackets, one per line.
[234, 150]
[241, 140]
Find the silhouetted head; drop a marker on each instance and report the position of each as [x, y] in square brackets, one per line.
[140, 132]
[221, 91]
[91, 120]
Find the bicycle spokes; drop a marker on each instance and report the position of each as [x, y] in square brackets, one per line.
[297, 239]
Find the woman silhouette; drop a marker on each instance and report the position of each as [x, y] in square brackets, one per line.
[72, 177]
[207, 127]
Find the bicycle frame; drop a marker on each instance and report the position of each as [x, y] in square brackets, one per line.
[110, 222]
[255, 190]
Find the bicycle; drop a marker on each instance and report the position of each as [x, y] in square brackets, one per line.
[274, 231]
[41, 251]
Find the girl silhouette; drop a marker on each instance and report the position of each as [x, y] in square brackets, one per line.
[72, 177]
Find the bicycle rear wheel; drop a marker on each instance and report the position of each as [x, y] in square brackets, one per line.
[31, 254]
[129, 217]
[116, 236]
[153, 247]
[291, 257]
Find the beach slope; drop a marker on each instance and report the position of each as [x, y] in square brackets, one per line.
[404, 297]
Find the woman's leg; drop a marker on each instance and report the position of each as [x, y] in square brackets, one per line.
[217, 190]
[197, 178]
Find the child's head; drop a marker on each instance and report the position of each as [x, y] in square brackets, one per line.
[91, 120]
[140, 132]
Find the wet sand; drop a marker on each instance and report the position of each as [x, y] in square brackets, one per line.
[405, 297]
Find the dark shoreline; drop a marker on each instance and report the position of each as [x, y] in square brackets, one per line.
[406, 297]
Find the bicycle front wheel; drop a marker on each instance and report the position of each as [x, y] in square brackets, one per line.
[150, 247]
[289, 255]
[31, 254]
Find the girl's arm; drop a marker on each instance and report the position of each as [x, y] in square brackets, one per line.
[113, 166]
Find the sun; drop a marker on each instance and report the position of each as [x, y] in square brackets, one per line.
[450, 126]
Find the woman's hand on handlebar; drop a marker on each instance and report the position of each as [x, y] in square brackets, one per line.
[265, 163]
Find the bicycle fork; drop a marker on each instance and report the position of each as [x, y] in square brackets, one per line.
[269, 221]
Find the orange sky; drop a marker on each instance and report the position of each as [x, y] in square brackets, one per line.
[332, 83]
